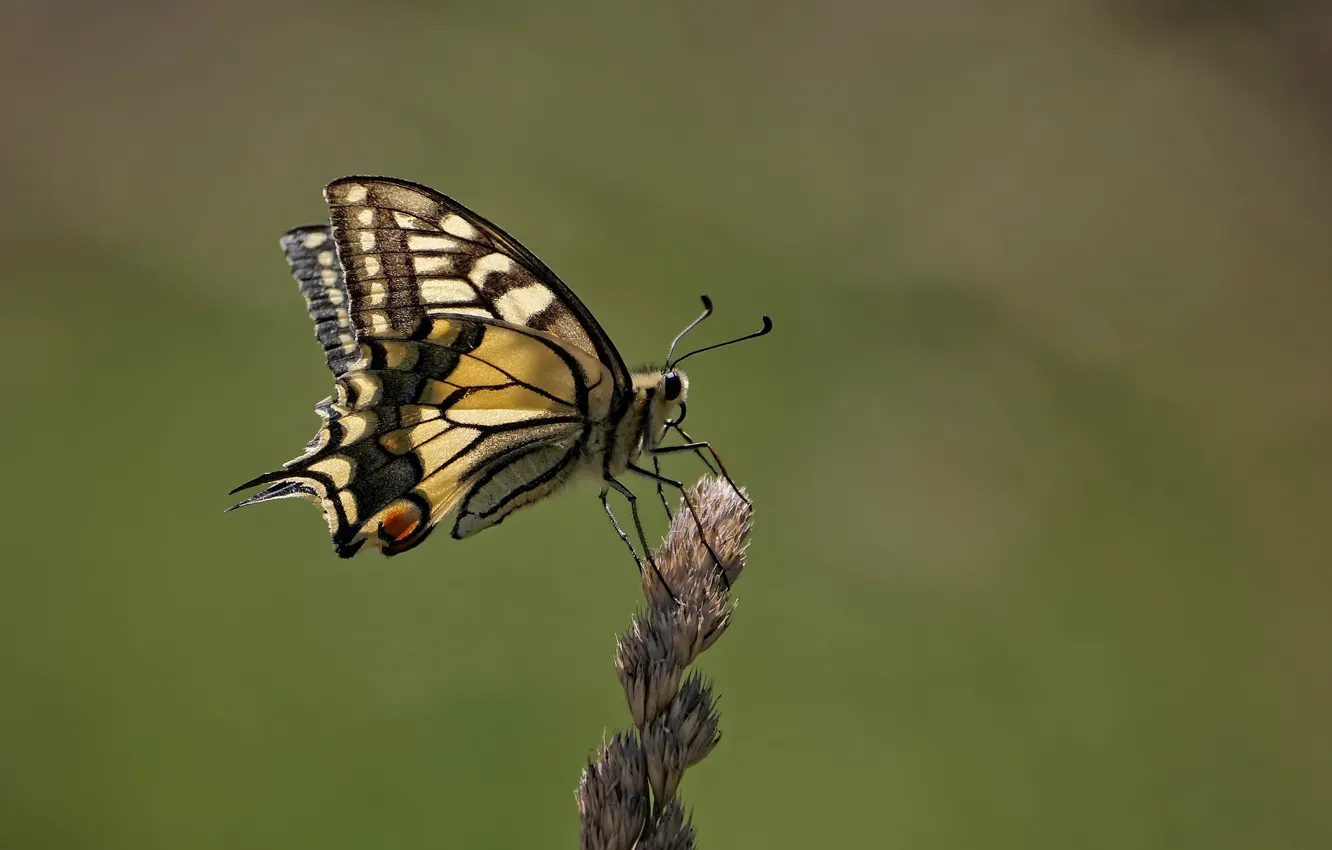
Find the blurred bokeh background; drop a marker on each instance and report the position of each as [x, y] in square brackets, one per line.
[1040, 447]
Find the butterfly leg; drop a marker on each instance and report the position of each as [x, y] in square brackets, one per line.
[696, 447]
[620, 531]
[661, 493]
[638, 525]
[702, 532]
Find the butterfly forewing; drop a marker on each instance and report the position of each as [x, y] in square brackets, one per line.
[313, 259]
[411, 254]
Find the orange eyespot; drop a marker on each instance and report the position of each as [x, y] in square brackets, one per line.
[400, 522]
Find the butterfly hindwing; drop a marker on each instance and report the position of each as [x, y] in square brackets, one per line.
[474, 420]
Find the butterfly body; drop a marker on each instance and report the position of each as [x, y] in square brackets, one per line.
[470, 381]
[644, 423]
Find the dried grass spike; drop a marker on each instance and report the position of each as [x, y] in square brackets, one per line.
[612, 796]
[629, 794]
[684, 558]
[673, 830]
[692, 717]
[667, 757]
[648, 662]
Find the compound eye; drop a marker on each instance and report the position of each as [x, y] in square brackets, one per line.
[672, 386]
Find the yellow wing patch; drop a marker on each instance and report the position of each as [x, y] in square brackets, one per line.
[473, 422]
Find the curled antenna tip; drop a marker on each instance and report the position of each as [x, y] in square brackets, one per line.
[707, 311]
[767, 326]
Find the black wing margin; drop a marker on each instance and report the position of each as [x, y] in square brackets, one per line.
[314, 263]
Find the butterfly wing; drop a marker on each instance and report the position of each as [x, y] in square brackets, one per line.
[313, 259]
[411, 254]
[474, 421]
[475, 378]
[314, 263]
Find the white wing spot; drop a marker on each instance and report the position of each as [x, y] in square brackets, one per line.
[315, 239]
[337, 468]
[348, 501]
[410, 222]
[377, 322]
[328, 277]
[366, 216]
[377, 295]
[325, 258]
[334, 296]
[460, 227]
[460, 311]
[356, 426]
[431, 243]
[445, 290]
[519, 305]
[431, 264]
[353, 193]
[367, 240]
[490, 264]
[370, 266]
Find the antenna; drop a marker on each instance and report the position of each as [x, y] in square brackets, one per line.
[767, 326]
[707, 311]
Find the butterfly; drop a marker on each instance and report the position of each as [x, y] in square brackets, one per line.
[470, 381]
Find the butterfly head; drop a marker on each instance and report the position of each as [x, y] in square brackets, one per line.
[664, 391]
[670, 385]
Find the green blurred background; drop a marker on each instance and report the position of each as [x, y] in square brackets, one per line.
[1040, 446]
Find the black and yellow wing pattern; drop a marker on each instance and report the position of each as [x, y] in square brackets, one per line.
[469, 379]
